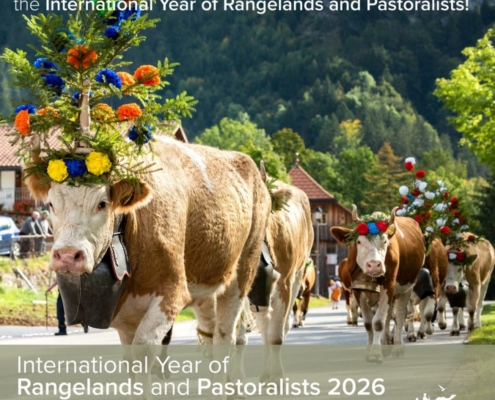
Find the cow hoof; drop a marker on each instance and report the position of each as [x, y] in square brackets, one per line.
[295, 326]
[398, 351]
[411, 337]
[455, 333]
[422, 335]
[301, 323]
[354, 323]
[374, 355]
[429, 331]
[349, 323]
[442, 325]
[462, 327]
[471, 328]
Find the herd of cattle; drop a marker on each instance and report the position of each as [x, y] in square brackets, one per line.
[194, 235]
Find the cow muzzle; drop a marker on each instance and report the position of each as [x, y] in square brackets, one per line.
[69, 260]
[375, 268]
[451, 289]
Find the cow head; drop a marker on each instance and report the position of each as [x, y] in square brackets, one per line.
[371, 250]
[82, 220]
[459, 262]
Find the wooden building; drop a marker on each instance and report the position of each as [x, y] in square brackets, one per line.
[326, 253]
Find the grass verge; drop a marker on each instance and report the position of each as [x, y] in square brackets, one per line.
[486, 334]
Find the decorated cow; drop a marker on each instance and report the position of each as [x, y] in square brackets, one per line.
[385, 257]
[304, 294]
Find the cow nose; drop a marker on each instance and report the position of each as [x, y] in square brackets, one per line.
[374, 267]
[68, 260]
[451, 289]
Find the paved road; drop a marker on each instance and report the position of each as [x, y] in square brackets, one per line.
[323, 326]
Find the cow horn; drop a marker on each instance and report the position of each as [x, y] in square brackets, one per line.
[262, 171]
[391, 220]
[354, 214]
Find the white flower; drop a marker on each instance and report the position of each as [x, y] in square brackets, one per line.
[418, 202]
[457, 235]
[411, 160]
[455, 221]
[441, 222]
[452, 256]
[464, 228]
[429, 229]
[403, 190]
[422, 186]
[440, 207]
[400, 212]
[429, 195]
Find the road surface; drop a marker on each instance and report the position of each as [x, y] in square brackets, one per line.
[324, 326]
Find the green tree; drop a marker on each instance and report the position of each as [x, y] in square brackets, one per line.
[244, 136]
[286, 143]
[469, 93]
[385, 178]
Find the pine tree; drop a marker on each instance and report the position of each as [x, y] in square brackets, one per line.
[80, 65]
[386, 176]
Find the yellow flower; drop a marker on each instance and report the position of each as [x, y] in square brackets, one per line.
[98, 163]
[57, 170]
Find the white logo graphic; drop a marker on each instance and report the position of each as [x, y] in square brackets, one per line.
[425, 397]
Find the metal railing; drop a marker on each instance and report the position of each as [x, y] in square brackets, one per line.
[8, 197]
[27, 246]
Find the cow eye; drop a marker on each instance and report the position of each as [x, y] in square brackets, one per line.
[51, 206]
[102, 206]
[358, 242]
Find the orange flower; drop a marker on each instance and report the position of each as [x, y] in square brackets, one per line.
[129, 111]
[50, 111]
[81, 56]
[127, 79]
[148, 75]
[102, 112]
[22, 122]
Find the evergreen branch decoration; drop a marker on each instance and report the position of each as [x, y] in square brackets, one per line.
[279, 198]
[79, 65]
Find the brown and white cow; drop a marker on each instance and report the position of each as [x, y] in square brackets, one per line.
[393, 260]
[194, 234]
[351, 303]
[477, 274]
[289, 237]
[307, 282]
[436, 263]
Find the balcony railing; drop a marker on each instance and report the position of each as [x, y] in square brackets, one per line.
[8, 197]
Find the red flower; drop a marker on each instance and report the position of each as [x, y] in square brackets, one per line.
[418, 218]
[420, 174]
[382, 226]
[426, 215]
[456, 212]
[362, 229]
[404, 200]
[409, 166]
[416, 192]
[471, 238]
[445, 230]
[462, 220]
[446, 195]
[460, 257]
[454, 200]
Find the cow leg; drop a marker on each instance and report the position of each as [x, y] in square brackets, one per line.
[409, 325]
[304, 306]
[297, 313]
[293, 293]
[205, 312]
[427, 308]
[442, 302]
[400, 317]
[347, 296]
[473, 298]
[479, 308]
[354, 310]
[455, 323]
[368, 318]
[462, 321]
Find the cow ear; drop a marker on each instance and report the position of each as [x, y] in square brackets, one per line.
[391, 231]
[37, 186]
[126, 196]
[471, 259]
[341, 234]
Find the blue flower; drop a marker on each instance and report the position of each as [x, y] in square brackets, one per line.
[133, 11]
[109, 76]
[116, 18]
[29, 107]
[145, 133]
[44, 63]
[77, 96]
[112, 32]
[373, 228]
[55, 82]
[76, 168]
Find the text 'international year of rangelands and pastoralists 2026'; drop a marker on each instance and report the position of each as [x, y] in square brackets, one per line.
[259, 6]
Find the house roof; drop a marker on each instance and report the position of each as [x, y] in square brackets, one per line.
[9, 160]
[302, 180]
[315, 192]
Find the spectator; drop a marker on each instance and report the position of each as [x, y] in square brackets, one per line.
[335, 286]
[62, 328]
[47, 230]
[31, 226]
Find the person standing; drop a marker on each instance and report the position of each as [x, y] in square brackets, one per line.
[46, 228]
[62, 328]
[336, 291]
[31, 226]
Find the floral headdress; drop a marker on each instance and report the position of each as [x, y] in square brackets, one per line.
[432, 206]
[368, 225]
[79, 65]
